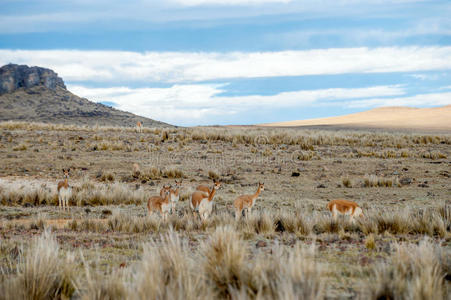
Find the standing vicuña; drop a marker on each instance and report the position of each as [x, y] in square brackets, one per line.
[205, 188]
[245, 202]
[139, 127]
[202, 203]
[160, 203]
[64, 191]
[344, 207]
[175, 194]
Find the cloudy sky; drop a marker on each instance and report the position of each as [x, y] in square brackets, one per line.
[199, 62]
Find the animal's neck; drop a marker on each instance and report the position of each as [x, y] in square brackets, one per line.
[66, 181]
[212, 193]
[257, 193]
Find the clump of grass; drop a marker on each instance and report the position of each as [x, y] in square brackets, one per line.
[370, 243]
[347, 182]
[150, 174]
[306, 155]
[224, 257]
[107, 177]
[168, 271]
[413, 272]
[164, 136]
[41, 274]
[213, 175]
[288, 274]
[173, 173]
[375, 181]
[433, 155]
[294, 223]
[21, 147]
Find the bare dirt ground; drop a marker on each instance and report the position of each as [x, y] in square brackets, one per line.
[390, 175]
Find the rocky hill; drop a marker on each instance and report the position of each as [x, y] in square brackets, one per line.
[38, 95]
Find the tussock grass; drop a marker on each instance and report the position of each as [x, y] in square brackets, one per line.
[41, 273]
[88, 193]
[168, 271]
[413, 272]
[376, 181]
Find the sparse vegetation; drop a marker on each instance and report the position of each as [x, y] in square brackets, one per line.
[287, 247]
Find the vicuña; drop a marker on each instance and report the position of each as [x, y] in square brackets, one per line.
[160, 203]
[202, 202]
[344, 207]
[246, 202]
[64, 191]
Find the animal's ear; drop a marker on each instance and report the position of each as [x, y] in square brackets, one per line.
[68, 170]
[64, 170]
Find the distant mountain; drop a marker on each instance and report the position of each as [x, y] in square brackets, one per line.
[435, 118]
[38, 95]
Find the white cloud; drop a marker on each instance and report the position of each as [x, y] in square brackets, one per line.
[202, 103]
[434, 99]
[426, 76]
[177, 67]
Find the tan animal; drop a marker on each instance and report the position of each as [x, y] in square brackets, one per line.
[202, 203]
[139, 127]
[160, 204]
[64, 191]
[164, 189]
[136, 170]
[205, 188]
[344, 207]
[246, 202]
[175, 194]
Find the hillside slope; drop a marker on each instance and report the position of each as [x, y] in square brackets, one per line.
[39, 95]
[436, 118]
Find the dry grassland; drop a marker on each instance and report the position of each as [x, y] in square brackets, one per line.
[107, 246]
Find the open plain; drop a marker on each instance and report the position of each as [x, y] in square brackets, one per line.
[106, 246]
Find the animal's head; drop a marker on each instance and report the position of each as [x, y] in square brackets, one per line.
[359, 212]
[66, 173]
[261, 186]
[178, 184]
[216, 184]
[165, 188]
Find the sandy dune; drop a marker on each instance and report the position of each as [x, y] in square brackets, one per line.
[436, 118]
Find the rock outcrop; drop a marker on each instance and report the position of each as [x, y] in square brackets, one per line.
[13, 77]
[35, 94]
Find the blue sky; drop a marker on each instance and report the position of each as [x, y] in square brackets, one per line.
[204, 62]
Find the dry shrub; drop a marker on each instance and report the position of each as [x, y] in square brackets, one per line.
[224, 260]
[413, 272]
[326, 224]
[370, 243]
[213, 175]
[41, 274]
[168, 271]
[107, 194]
[151, 173]
[98, 285]
[21, 193]
[107, 177]
[289, 273]
[173, 173]
[259, 223]
[375, 181]
[21, 147]
[293, 223]
[347, 182]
